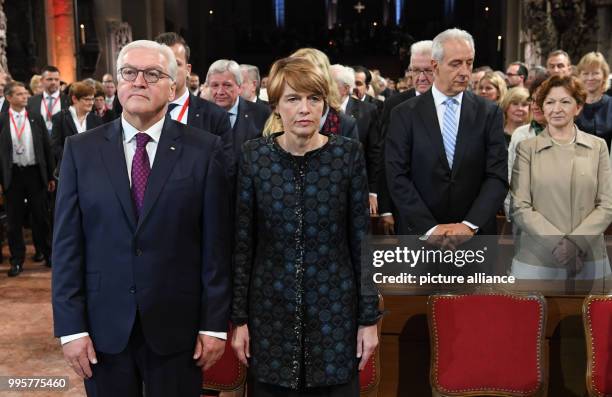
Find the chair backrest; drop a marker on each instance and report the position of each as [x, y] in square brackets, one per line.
[369, 377]
[597, 317]
[228, 373]
[489, 343]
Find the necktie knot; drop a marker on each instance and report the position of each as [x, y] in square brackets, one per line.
[450, 102]
[142, 139]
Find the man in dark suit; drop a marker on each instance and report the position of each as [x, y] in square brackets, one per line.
[363, 78]
[187, 108]
[27, 174]
[51, 101]
[421, 71]
[141, 283]
[446, 161]
[366, 116]
[4, 105]
[246, 118]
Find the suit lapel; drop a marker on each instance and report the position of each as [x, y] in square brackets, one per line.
[193, 115]
[113, 157]
[168, 152]
[70, 121]
[36, 139]
[466, 121]
[429, 117]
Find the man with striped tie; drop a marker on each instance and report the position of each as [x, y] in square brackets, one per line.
[445, 156]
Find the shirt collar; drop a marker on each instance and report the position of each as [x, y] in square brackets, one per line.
[181, 100]
[544, 141]
[54, 95]
[234, 109]
[439, 97]
[129, 132]
[345, 103]
[73, 112]
[22, 113]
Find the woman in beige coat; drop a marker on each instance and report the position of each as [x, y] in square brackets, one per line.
[561, 192]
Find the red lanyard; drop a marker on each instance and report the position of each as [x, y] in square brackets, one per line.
[49, 114]
[19, 132]
[183, 109]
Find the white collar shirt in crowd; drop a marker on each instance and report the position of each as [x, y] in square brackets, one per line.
[56, 107]
[80, 127]
[180, 101]
[23, 147]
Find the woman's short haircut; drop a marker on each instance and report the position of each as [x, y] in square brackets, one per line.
[595, 60]
[299, 73]
[571, 84]
[81, 90]
[496, 81]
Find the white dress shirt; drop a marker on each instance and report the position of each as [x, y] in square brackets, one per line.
[344, 104]
[57, 106]
[26, 143]
[180, 101]
[129, 148]
[81, 127]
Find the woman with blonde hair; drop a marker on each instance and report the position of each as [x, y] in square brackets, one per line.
[596, 116]
[515, 106]
[305, 318]
[333, 121]
[492, 86]
[35, 85]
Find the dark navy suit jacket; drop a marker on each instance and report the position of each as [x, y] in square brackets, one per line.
[172, 265]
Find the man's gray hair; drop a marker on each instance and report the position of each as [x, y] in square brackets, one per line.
[422, 47]
[344, 75]
[149, 45]
[253, 73]
[437, 50]
[225, 65]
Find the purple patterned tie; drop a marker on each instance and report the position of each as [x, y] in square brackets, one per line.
[140, 171]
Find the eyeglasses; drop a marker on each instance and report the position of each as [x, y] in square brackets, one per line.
[87, 99]
[151, 76]
[426, 72]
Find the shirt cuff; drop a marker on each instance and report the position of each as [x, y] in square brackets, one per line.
[218, 335]
[70, 338]
[374, 194]
[386, 214]
[429, 232]
[471, 226]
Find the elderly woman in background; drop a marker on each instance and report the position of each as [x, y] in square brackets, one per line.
[561, 192]
[596, 116]
[515, 105]
[100, 107]
[306, 322]
[492, 86]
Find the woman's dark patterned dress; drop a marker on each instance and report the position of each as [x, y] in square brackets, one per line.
[297, 280]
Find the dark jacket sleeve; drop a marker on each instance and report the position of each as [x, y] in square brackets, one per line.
[68, 279]
[358, 220]
[413, 212]
[245, 242]
[216, 255]
[373, 151]
[49, 156]
[57, 137]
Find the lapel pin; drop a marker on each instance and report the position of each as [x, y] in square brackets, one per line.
[172, 148]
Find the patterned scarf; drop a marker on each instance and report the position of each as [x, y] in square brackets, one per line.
[537, 128]
[332, 123]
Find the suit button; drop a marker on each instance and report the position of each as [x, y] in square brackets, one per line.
[132, 290]
[138, 252]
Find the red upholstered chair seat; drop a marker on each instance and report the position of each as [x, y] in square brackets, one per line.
[597, 312]
[487, 344]
[228, 373]
[369, 376]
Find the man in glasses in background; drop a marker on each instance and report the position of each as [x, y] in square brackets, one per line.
[140, 283]
[422, 75]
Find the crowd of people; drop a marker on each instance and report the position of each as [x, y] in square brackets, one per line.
[191, 203]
